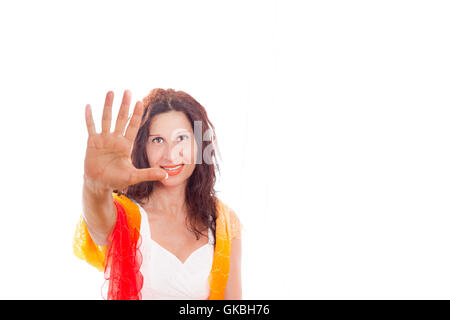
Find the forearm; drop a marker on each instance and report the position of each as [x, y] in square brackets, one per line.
[99, 211]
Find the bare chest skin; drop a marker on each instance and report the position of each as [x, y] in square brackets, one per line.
[174, 236]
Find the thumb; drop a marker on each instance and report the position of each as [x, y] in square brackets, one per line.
[150, 174]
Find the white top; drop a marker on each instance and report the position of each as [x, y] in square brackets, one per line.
[165, 276]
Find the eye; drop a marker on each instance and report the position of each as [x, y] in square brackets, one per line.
[183, 137]
[157, 139]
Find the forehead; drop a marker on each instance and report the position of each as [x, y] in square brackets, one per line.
[169, 122]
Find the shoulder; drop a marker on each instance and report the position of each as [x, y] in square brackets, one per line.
[130, 207]
[125, 201]
[225, 210]
[228, 216]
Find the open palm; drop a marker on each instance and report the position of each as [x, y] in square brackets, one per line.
[108, 154]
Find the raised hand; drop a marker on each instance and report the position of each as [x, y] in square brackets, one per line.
[107, 164]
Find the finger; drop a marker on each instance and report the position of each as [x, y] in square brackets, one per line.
[135, 122]
[89, 120]
[122, 116]
[107, 111]
[151, 174]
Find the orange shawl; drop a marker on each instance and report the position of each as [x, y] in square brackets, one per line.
[227, 227]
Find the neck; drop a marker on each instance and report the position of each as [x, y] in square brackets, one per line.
[169, 200]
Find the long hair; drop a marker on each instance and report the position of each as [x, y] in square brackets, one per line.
[200, 194]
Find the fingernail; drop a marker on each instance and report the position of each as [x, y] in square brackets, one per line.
[167, 176]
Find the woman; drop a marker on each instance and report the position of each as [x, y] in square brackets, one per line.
[151, 221]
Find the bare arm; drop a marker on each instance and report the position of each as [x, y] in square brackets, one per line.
[108, 166]
[99, 212]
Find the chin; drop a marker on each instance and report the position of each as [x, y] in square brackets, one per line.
[174, 181]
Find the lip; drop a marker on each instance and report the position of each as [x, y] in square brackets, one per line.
[173, 172]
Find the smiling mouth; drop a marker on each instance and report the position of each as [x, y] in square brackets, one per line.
[172, 168]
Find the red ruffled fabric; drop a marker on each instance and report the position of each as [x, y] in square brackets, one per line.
[124, 260]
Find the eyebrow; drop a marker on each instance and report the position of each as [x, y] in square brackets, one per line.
[181, 131]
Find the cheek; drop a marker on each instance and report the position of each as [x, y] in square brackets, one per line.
[194, 152]
[189, 152]
[154, 155]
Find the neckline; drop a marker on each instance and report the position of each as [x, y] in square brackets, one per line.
[174, 256]
[164, 249]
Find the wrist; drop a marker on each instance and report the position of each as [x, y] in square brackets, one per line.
[96, 187]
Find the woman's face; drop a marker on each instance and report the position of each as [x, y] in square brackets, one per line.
[171, 146]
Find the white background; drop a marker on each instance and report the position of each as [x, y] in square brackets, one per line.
[332, 122]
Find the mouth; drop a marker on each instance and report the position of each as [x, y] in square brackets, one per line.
[174, 169]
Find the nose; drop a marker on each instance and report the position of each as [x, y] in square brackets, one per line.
[174, 153]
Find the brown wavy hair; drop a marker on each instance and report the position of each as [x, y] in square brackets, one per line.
[200, 194]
